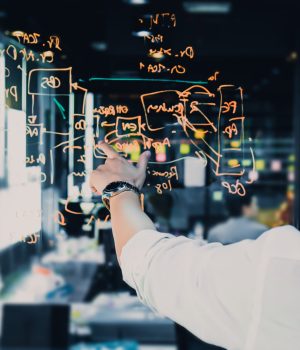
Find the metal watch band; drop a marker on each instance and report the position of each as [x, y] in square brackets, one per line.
[117, 187]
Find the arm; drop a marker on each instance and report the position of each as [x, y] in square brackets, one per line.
[127, 215]
[127, 218]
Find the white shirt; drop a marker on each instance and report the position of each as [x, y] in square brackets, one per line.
[243, 296]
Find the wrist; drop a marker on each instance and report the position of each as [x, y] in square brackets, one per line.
[115, 188]
[128, 197]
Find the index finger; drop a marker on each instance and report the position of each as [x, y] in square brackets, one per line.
[108, 150]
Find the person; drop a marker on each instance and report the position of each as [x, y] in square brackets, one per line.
[241, 223]
[238, 296]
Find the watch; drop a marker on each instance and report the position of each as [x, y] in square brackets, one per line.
[117, 187]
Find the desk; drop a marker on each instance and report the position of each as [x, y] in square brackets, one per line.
[121, 316]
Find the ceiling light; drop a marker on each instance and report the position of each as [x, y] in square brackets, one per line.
[99, 45]
[137, 2]
[156, 55]
[292, 56]
[141, 33]
[207, 7]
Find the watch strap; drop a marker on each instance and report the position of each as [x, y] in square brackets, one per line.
[119, 187]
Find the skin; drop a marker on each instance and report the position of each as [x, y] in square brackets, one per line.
[250, 211]
[127, 216]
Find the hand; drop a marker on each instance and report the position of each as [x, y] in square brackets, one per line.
[116, 168]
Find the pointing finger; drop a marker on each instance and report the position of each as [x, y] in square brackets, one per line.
[142, 166]
[108, 150]
[143, 161]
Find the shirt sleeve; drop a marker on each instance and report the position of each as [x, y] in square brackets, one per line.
[206, 289]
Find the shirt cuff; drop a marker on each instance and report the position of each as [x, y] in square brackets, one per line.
[133, 258]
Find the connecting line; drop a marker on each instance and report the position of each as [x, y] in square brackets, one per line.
[169, 162]
[174, 161]
[60, 107]
[149, 79]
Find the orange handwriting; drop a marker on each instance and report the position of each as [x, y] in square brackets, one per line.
[237, 188]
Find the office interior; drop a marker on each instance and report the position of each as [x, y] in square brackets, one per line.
[60, 283]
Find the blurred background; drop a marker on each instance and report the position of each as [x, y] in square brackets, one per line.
[74, 73]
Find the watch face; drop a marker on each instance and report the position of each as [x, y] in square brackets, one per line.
[114, 186]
